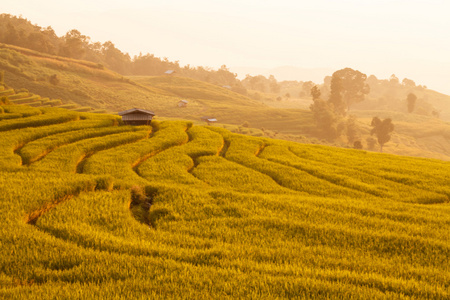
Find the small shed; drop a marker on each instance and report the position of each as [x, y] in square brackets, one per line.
[209, 120]
[136, 116]
[169, 72]
[183, 103]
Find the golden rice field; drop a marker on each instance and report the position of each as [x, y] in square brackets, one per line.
[92, 209]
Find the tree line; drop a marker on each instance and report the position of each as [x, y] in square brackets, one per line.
[20, 32]
[347, 87]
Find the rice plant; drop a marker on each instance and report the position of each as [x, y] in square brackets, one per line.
[219, 216]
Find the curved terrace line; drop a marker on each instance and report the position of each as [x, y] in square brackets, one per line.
[371, 174]
[136, 164]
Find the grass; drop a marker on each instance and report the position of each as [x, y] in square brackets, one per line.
[231, 216]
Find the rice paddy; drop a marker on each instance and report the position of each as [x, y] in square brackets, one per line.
[220, 215]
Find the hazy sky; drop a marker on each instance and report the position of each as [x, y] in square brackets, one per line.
[410, 38]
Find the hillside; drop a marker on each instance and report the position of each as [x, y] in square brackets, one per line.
[21, 32]
[87, 86]
[229, 107]
[77, 81]
[174, 210]
[414, 135]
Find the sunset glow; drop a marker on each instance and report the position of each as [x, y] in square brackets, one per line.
[407, 38]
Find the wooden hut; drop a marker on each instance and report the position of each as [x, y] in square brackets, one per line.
[209, 120]
[136, 116]
[183, 103]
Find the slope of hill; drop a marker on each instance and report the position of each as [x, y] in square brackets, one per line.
[82, 82]
[414, 135]
[174, 210]
[391, 95]
[90, 85]
[21, 32]
[229, 107]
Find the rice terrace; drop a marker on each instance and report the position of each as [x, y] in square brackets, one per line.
[272, 154]
[92, 208]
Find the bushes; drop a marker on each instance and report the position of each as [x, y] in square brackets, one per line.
[140, 204]
[54, 79]
[4, 100]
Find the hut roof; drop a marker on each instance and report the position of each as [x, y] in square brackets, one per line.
[184, 101]
[169, 72]
[134, 110]
[209, 119]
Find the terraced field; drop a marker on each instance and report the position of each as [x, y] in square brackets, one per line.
[94, 209]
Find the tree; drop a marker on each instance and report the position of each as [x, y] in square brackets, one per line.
[435, 114]
[411, 101]
[258, 83]
[224, 76]
[115, 59]
[306, 88]
[357, 145]
[393, 80]
[352, 129]
[371, 142]
[347, 87]
[315, 92]
[75, 44]
[382, 130]
[54, 79]
[372, 80]
[325, 118]
[274, 86]
[336, 95]
[408, 82]
[12, 36]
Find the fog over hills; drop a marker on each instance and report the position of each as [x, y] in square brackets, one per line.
[286, 73]
[423, 75]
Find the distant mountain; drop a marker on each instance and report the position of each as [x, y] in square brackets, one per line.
[286, 73]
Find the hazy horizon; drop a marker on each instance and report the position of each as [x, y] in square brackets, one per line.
[405, 38]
